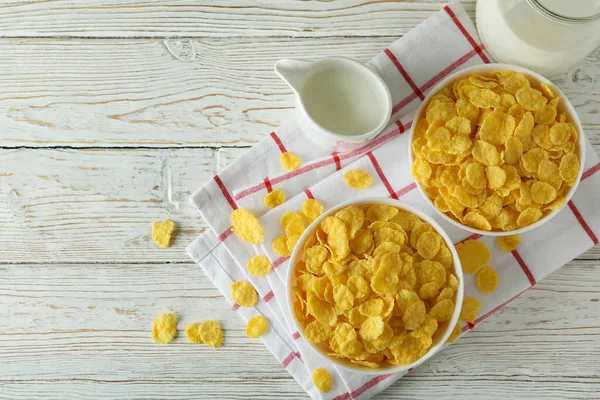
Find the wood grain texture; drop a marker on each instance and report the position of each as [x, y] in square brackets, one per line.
[180, 93]
[83, 330]
[98, 205]
[214, 18]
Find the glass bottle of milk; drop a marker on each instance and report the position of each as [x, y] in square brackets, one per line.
[547, 36]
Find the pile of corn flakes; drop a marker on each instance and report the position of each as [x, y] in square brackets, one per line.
[495, 153]
[375, 285]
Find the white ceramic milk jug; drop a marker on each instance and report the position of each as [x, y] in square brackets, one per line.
[341, 104]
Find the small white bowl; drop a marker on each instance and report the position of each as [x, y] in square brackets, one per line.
[440, 340]
[296, 72]
[565, 106]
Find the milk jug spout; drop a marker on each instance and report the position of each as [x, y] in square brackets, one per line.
[294, 72]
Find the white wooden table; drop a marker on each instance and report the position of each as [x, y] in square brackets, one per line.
[113, 112]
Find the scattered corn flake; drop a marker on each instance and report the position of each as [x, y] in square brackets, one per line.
[256, 326]
[508, 243]
[288, 217]
[455, 333]
[487, 280]
[259, 266]
[247, 226]
[192, 333]
[289, 161]
[473, 255]
[279, 246]
[211, 334]
[358, 179]
[164, 328]
[322, 380]
[469, 310]
[312, 208]
[243, 293]
[275, 198]
[162, 232]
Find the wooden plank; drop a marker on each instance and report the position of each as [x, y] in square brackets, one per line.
[209, 93]
[234, 18]
[97, 204]
[77, 330]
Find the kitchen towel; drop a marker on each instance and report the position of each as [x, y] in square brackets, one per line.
[444, 43]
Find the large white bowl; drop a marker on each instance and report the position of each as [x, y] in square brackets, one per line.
[440, 340]
[565, 106]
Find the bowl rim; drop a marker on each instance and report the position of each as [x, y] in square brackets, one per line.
[457, 271]
[492, 67]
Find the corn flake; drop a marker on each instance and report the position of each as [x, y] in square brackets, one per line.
[247, 226]
[312, 208]
[487, 280]
[473, 255]
[317, 332]
[455, 333]
[358, 179]
[243, 293]
[211, 334]
[256, 326]
[469, 310]
[289, 161]
[322, 380]
[275, 198]
[508, 243]
[162, 232]
[259, 266]
[164, 328]
[192, 333]
[280, 247]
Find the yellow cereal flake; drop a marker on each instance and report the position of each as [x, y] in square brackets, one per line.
[280, 247]
[508, 243]
[192, 333]
[275, 198]
[317, 332]
[372, 328]
[289, 161]
[288, 217]
[469, 310]
[473, 255]
[256, 326]
[322, 380]
[358, 179]
[162, 232]
[443, 310]
[211, 334]
[455, 333]
[247, 226]
[164, 328]
[487, 280]
[243, 293]
[312, 208]
[259, 266]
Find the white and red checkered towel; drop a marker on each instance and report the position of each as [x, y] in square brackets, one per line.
[442, 44]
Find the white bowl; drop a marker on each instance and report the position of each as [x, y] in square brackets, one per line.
[440, 340]
[565, 106]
